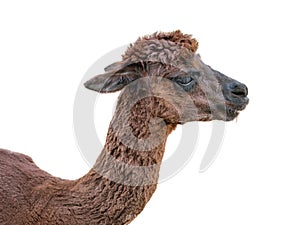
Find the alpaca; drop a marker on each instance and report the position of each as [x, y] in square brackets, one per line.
[164, 83]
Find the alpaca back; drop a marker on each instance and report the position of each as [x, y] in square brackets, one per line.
[18, 176]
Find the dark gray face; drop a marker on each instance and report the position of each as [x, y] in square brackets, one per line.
[216, 96]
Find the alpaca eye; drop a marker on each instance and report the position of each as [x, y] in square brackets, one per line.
[184, 81]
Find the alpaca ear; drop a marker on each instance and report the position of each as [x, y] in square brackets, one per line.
[115, 66]
[112, 80]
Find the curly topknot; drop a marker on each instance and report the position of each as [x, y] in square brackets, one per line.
[184, 40]
[164, 47]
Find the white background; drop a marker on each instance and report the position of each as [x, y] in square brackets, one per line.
[47, 46]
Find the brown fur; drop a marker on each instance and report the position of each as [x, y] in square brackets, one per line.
[125, 174]
[176, 37]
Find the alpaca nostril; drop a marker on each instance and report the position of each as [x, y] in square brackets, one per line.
[238, 89]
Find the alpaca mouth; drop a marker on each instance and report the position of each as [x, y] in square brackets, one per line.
[232, 111]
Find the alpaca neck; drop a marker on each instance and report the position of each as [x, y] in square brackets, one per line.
[135, 143]
[126, 173]
[124, 176]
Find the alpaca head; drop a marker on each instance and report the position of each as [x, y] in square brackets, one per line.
[164, 69]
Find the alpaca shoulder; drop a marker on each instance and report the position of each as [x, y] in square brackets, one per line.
[19, 170]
